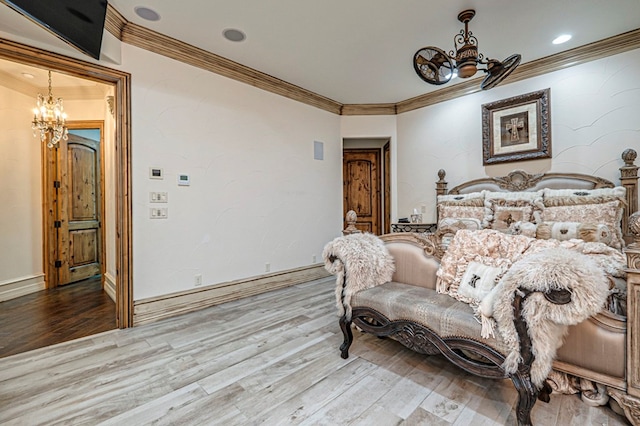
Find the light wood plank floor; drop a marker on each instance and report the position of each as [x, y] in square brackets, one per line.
[270, 359]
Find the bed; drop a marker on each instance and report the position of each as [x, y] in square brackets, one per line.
[600, 357]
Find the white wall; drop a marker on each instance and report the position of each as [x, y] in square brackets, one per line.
[257, 195]
[594, 117]
[20, 190]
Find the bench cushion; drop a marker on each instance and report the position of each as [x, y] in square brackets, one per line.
[441, 313]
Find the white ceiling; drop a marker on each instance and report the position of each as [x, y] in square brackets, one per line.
[361, 51]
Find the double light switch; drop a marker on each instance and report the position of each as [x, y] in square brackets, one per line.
[158, 212]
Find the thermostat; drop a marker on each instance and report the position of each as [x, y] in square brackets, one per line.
[183, 180]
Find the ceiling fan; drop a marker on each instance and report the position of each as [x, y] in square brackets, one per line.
[435, 66]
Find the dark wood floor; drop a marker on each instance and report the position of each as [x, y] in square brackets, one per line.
[54, 316]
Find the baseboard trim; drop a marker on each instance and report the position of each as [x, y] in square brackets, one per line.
[21, 287]
[110, 286]
[157, 308]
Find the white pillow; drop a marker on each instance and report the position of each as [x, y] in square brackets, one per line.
[478, 281]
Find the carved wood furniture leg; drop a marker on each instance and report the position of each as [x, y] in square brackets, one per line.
[345, 326]
[629, 404]
[527, 392]
[527, 396]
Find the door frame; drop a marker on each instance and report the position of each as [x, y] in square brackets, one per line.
[121, 83]
[383, 146]
[49, 239]
[386, 184]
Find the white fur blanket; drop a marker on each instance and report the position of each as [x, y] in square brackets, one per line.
[367, 263]
[544, 270]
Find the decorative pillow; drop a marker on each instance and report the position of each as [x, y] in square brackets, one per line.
[527, 229]
[462, 206]
[478, 281]
[504, 214]
[619, 192]
[531, 196]
[460, 223]
[601, 205]
[591, 232]
[462, 199]
[608, 213]
[488, 247]
[503, 209]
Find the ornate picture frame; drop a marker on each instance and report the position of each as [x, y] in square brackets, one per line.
[517, 128]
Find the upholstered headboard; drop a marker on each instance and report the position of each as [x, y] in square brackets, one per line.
[519, 180]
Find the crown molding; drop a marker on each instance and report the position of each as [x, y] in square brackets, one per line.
[161, 44]
[144, 38]
[114, 22]
[368, 109]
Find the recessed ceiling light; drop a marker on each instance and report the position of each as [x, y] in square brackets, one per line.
[146, 13]
[28, 75]
[562, 39]
[233, 34]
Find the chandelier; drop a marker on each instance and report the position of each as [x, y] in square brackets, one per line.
[49, 119]
[435, 66]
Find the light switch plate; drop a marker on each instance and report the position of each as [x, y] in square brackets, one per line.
[158, 197]
[158, 213]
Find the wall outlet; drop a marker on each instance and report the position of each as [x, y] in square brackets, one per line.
[313, 259]
[198, 280]
[267, 267]
[423, 209]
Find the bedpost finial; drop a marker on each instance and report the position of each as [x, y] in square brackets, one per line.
[629, 156]
[351, 218]
[441, 184]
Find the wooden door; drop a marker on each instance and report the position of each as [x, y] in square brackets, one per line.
[361, 187]
[79, 238]
[73, 207]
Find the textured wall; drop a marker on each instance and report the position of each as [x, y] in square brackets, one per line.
[594, 117]
[257, 195]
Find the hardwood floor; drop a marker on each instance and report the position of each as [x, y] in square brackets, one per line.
[270, 359]
[54, 316]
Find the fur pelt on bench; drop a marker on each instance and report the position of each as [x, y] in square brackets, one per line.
[554, 269]
[370, 265]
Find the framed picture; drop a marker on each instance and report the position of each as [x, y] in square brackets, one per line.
[516, 129]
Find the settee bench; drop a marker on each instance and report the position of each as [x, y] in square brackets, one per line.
[409, 310]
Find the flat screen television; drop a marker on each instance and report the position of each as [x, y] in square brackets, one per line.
[78, 22]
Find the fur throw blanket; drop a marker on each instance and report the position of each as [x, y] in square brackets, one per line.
[550, 269]
[365, 260]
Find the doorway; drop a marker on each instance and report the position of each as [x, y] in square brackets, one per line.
[366, 178]
[120, 152]
[73, 205]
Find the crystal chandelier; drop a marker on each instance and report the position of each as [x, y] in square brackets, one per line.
[49, 119]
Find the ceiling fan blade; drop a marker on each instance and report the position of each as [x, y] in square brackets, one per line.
[433, 65]
[498, 71]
